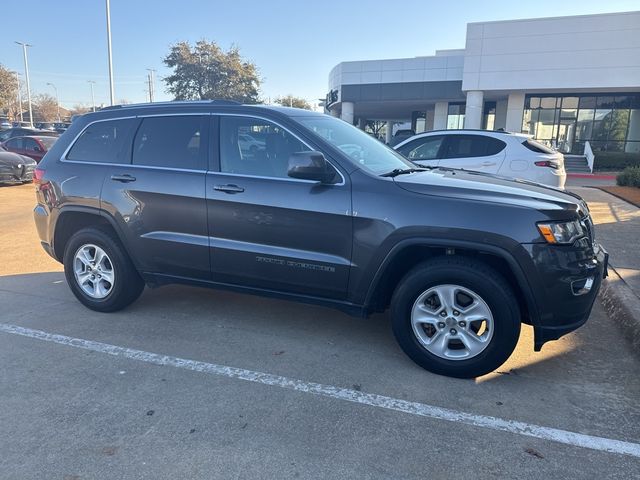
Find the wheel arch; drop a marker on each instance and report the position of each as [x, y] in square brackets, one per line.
[407, 253]
[73, 218]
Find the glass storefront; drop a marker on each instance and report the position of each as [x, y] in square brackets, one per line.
[607, 122]
[455, 116]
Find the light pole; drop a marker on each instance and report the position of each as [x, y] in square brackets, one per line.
[26, 73]
[93, 98]
[111, 92]
[19, 96]
[152, 86]
[57, 99]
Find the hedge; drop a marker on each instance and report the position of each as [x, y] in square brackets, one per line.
[629, 177]
[613, 161]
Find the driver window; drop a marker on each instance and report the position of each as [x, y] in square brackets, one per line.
[426, 148]
[252, 146]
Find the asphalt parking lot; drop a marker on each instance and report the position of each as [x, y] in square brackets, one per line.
[147, 392]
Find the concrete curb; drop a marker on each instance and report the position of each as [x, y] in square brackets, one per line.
[622, 306]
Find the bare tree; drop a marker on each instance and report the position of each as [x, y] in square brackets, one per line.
[45, 108]
[8, 90]
[291, 101]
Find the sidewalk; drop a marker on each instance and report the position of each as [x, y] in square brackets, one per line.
[617, 227]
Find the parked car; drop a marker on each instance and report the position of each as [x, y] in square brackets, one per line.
[61, 127]
[5, 125]
[33, 146]
[249, 143]
[22, 132]
[400, 136]
[21, 124]
[45, 126]
[501, 153]
[155, 194]
[15, 168]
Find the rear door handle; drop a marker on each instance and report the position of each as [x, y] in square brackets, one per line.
[229, 188]
[126, 178]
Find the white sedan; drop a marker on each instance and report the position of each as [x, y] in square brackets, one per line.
[507, 154]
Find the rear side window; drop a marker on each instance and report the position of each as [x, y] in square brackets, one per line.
[537, 147]
[171, 142]
[14, 143]
[425, 148]
[469, 146]
[104, 142]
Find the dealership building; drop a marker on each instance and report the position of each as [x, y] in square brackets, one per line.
[563, 80]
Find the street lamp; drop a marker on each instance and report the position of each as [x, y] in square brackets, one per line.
[93, 98]
[57, 99]
[111, 93]
[26, 73]
[19, 96]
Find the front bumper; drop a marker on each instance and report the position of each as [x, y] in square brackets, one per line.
[15, 173]
[570, 278]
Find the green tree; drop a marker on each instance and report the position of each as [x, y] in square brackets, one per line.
[8, 90]
[291, 101]
[205, 72]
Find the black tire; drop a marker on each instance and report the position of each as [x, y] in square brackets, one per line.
[127, 285]
[481, 279]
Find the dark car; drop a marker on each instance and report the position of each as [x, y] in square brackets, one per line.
[400, 136]
[325, 214]
[22, 132]
[33, 146]
[15, 168]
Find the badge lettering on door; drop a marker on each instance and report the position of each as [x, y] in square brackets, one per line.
[294, 264]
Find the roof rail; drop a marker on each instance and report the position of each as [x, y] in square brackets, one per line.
[174, 102]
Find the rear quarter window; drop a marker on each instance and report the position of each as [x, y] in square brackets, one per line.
[537, 147]
[104, 141]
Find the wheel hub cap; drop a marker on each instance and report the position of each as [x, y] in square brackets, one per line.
[452, 322]
[93, 271]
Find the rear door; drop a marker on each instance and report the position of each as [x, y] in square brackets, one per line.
[479, 153]
[424, 150]
[158, 196]
[268, 230]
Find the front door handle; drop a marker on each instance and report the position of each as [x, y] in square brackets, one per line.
[229, 188]
[126, 178]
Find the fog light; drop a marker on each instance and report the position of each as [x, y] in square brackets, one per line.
[580, 287]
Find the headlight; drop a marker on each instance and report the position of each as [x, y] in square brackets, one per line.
[562, 233]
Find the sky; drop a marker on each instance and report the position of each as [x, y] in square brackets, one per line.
[294, 43]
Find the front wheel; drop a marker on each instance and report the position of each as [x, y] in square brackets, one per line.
[456, 317]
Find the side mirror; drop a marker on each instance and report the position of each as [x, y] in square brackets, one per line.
[310, 166]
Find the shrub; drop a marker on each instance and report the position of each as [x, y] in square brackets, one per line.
[629, 177]
[612, 161]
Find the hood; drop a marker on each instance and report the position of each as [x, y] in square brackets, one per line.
[484, 187]
[13, 159]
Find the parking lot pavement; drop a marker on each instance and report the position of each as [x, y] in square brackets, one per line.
[75, 409]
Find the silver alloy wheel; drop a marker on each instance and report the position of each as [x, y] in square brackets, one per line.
[452, 322]
[93, 271]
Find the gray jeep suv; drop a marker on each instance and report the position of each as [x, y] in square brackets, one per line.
[299, 205]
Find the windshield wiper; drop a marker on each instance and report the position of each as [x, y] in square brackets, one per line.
[402, 171]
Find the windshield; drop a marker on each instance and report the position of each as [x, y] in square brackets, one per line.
[367, 152]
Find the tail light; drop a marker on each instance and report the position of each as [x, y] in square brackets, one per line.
[38, 179]
[548, 163]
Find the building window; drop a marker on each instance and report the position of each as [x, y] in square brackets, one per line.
[489, 116]
[607, 122]
[455, 116]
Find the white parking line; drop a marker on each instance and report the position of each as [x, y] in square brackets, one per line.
[380, 401]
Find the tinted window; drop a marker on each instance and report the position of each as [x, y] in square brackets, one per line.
[466, 146]
[48, 141]
[173, 142]
[252, 146]
[103, 142]
[14, 143]
[422, 148]
[537, 147]
[30, 144]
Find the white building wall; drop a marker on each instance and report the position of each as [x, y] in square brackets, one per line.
[587, 51]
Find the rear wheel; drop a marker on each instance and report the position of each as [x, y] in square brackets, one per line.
[99, 271]
[456, 317]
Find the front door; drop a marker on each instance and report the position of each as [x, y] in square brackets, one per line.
[268, 230]
[158, 197]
